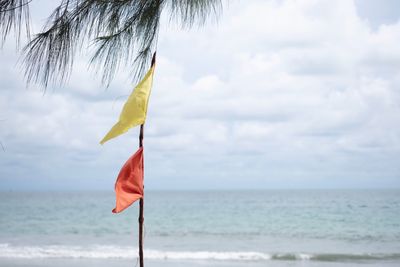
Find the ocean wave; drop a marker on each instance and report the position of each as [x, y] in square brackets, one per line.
[115, 252]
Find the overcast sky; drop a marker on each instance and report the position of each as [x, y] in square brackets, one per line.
[277, 94]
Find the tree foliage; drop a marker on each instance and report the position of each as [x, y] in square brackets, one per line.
[123, 33]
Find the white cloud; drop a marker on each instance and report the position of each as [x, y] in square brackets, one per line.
[277, 91]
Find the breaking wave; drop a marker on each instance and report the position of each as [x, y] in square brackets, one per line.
[115, 252]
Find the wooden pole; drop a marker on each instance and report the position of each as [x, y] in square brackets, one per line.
[141, 220]
[141, 217]
[141, 201]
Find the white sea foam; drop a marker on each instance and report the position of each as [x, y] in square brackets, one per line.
[303, 256]
[208, 255]
[116, 252]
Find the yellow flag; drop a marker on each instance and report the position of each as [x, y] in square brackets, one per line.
[135, 109]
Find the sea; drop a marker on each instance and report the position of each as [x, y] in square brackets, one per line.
[326, 228]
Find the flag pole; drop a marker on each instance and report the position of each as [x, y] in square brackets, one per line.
[141, 216]
[141, 201]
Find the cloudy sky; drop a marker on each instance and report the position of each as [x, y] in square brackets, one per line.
[277, 94]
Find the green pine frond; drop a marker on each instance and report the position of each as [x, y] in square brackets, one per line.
[14, 15]
[122, 32]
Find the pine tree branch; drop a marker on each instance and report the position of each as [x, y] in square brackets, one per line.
[14, 15]
[123, 33]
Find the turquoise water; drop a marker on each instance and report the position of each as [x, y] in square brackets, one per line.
[242, 228]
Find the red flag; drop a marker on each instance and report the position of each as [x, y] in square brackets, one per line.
[129, 184]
